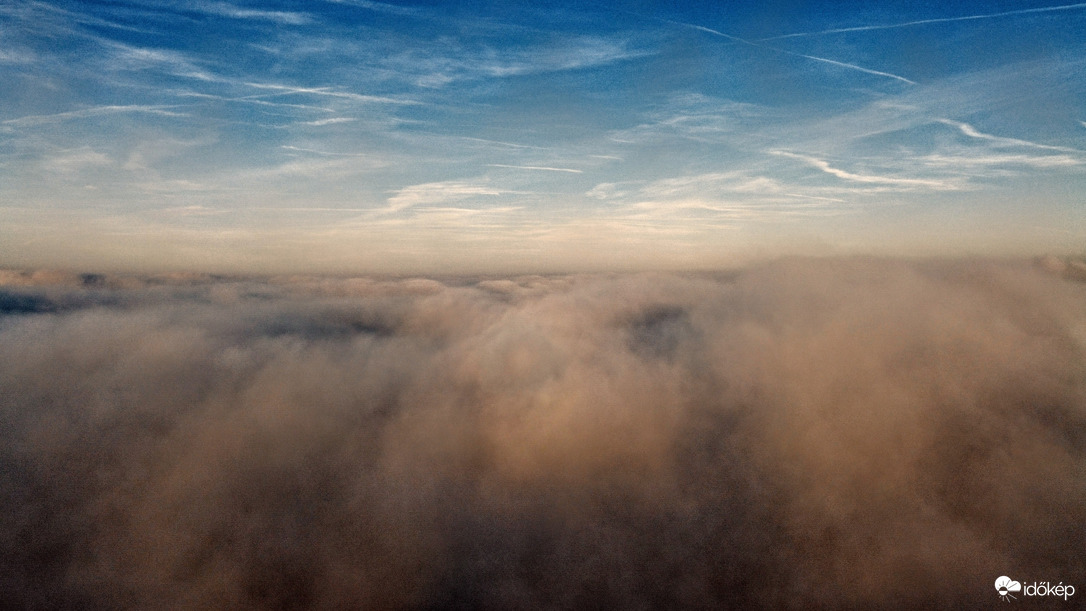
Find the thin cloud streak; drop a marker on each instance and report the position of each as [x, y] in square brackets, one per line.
[906, 24]
[1036, 161]
[840, 64]
[506, 144]
[866, 178]
[825, 60]
[972, 132]
[534, 167]
[301, 149]
[331, 121]
[381, 7]
[439, 192]
[33, 120]
[229, 10]
[330, 92]
[458, 63]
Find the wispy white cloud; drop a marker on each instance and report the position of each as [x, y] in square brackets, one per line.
[821, 198]
[609, 190]
[816, 58]
[307, 209]
[503, 144]
[321, 168]
[442, 65]
[132, 58]
[585, 52]
[439, 193]
[941, 185]
[148, 153]
[302, 149]
[253, 99]
[534, 167]
[849, 66]
[381, 7]
[128, 57]
[906, 24]
[988, 160]
[224, 9]
[17, 56]
[451, 213]
[176, 186]
[97, 111]
[690, 185]
[682, 211]
[731, 196]
[328, 91]
[42, 13]
[972, 132]
[73, 161]
[697, 117]
[195, 210]
[330, 121]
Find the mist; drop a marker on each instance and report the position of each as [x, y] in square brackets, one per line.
[804, 433]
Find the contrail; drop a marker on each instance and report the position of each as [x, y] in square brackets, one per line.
[760, 45]
[786, 52]
[846, 65]
[907, 24]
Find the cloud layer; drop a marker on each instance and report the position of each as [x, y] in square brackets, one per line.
[802, 434]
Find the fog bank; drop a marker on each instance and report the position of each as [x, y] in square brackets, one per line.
[799, 434]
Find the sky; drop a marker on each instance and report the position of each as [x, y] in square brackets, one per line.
[425, 137]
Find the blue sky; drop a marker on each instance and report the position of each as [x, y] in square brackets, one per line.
[363, 136]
